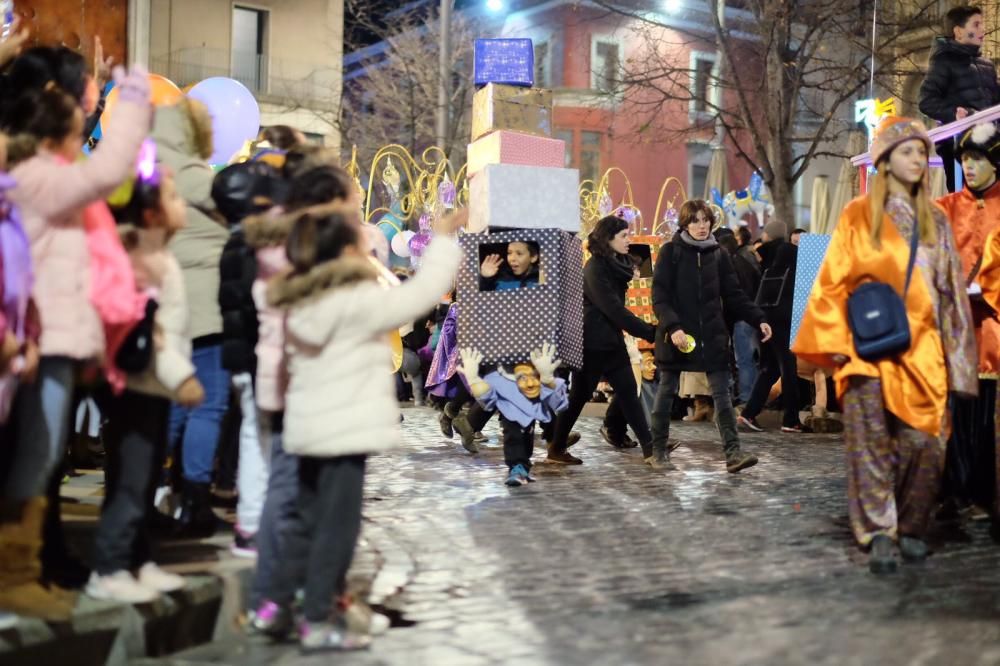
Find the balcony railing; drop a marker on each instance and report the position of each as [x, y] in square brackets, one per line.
[290, 81]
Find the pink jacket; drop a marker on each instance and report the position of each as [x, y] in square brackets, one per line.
[267, 233]
[52, 197]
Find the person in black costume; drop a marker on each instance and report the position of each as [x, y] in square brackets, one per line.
[605, 280]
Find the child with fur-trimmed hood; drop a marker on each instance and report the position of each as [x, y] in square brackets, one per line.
[340, 405]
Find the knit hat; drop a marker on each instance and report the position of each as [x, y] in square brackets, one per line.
[776, 229]
[983, 138]
[246, 188]
[894, 130]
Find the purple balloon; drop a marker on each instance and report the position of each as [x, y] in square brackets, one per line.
[418, 244]
[235, 115]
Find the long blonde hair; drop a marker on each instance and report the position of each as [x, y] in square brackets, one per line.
[878, 191]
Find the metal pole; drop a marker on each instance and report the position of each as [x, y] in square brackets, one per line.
[444, 75]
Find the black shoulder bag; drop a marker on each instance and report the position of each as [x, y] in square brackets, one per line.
[877, 317]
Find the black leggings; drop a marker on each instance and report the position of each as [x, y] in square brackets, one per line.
[613, 365]
[321, 542]
[136, 439]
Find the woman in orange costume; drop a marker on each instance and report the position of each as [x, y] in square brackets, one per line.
[895, 409]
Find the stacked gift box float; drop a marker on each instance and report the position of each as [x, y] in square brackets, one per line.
[519, 190]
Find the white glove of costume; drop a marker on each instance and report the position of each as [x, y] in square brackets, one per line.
[470, 365]
[974, 289]
[632, 345]
[543, 360]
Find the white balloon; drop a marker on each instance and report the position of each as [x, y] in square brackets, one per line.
[401, 243]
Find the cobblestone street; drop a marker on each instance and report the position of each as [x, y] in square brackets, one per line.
[610, 563]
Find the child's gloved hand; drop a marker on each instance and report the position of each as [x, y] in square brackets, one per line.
[471, 359]
[544, 361]
[632, 345]
[133, 86]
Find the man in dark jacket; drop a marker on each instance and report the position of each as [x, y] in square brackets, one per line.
[778, 259]
[959, 81]
[746, 342]
[693, 281]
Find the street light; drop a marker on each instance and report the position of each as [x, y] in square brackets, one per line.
[494, 5]
[672, 6]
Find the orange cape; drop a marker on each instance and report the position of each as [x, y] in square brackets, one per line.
[914, 384]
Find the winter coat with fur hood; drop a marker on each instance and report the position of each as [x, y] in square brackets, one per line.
[156, 268]
[183, 142]
[341, 397]
[266, 234]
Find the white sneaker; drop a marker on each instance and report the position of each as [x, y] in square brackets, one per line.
[8, 620]
[157, 579]
[120, 586]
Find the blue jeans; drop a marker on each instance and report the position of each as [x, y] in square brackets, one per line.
[199, 426]
[41, 415]
[280, 508]
[746, 345]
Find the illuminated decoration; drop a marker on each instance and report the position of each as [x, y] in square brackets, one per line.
[506, 61]
[869, 112]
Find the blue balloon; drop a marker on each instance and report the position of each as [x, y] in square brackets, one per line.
[235, 115]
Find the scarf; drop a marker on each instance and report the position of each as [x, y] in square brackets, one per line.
[706, 244]
[621, 266]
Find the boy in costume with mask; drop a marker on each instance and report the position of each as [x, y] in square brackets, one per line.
[532, 393]
[974, 212]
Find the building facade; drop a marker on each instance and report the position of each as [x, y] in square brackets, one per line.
[579, 53]
[289, 53]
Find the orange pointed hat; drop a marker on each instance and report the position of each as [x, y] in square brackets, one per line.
[894, 130]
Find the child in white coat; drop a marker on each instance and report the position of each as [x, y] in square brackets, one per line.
[137, 418]
[341, 405]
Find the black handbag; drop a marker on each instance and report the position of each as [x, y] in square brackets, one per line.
[136, 352]
[876, 314]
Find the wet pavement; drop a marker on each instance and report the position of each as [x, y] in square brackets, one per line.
[611, 563]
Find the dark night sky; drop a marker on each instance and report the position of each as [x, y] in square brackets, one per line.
[357, 36]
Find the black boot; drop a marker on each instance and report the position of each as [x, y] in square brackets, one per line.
[881, 559]
[197, 520]
[912, 549]
[59, 565]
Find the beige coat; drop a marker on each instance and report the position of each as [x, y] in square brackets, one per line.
[198, 247]
[341, 398]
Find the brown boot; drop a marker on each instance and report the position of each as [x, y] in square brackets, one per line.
[702, 411]
[20, 568]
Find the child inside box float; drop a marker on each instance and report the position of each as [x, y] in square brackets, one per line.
[520, 269]
[531, 393]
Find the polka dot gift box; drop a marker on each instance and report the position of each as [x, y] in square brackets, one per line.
[507, 325]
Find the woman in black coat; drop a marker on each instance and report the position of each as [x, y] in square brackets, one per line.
[605, 280]
[693, 281]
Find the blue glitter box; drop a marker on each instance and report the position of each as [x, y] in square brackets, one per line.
[507, 61]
